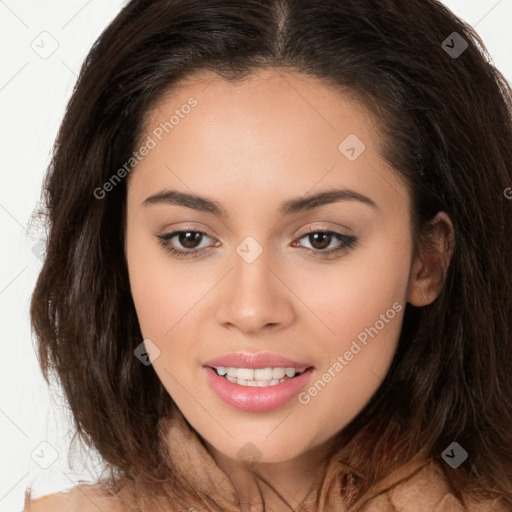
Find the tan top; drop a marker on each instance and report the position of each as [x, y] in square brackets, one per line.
[418, 486]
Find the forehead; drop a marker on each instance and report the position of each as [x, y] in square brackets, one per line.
[272, 131]
[274, 94]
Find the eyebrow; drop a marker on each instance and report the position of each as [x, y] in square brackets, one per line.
[290, 207]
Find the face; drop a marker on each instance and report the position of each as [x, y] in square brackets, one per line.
[257, 268]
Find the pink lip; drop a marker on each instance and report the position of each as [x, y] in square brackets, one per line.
[261, 360]
[256, 399]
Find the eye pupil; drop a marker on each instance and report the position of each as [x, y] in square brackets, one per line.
[314, 239]
[188, 238]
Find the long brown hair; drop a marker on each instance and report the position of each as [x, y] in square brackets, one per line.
[446, 121]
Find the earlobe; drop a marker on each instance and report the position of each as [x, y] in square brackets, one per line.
[430, 266]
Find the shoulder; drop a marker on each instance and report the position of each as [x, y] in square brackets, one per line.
[430, 488]
[422, 486]
[436, 494]
[81, 498]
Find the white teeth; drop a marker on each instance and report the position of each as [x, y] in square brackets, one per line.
[279, 373]
[290, 372]
[263, 374]
[259, 377]
[245, 373]
[256, 383]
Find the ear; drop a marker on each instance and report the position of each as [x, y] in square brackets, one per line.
[429, 268]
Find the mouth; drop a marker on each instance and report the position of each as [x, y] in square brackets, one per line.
[257, 389]
[258, 377]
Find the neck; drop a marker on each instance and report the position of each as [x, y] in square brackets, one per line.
[282, 486]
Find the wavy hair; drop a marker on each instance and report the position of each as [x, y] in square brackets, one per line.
[446, 122]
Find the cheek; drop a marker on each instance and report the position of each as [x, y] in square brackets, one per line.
[164, 296]
[162, 291]
[362, 304]
[352, 294]
[150, 295]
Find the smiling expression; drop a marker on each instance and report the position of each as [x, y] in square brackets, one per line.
[251, 271]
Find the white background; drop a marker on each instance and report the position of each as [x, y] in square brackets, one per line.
[33, 94]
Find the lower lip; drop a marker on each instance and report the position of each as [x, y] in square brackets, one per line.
[256, 399]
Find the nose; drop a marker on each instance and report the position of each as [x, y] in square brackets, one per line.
[255, 297]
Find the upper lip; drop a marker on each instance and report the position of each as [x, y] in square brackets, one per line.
[260, 360]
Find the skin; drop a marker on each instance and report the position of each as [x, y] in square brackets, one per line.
[250, 147]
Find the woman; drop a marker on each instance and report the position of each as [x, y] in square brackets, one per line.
[278, 272]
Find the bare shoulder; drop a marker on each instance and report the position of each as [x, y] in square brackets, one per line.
[81, 498]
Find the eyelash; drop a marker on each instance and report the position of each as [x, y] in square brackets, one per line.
[348, 242]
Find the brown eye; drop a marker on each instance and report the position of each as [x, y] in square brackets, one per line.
[320, 240]
[188, 239]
